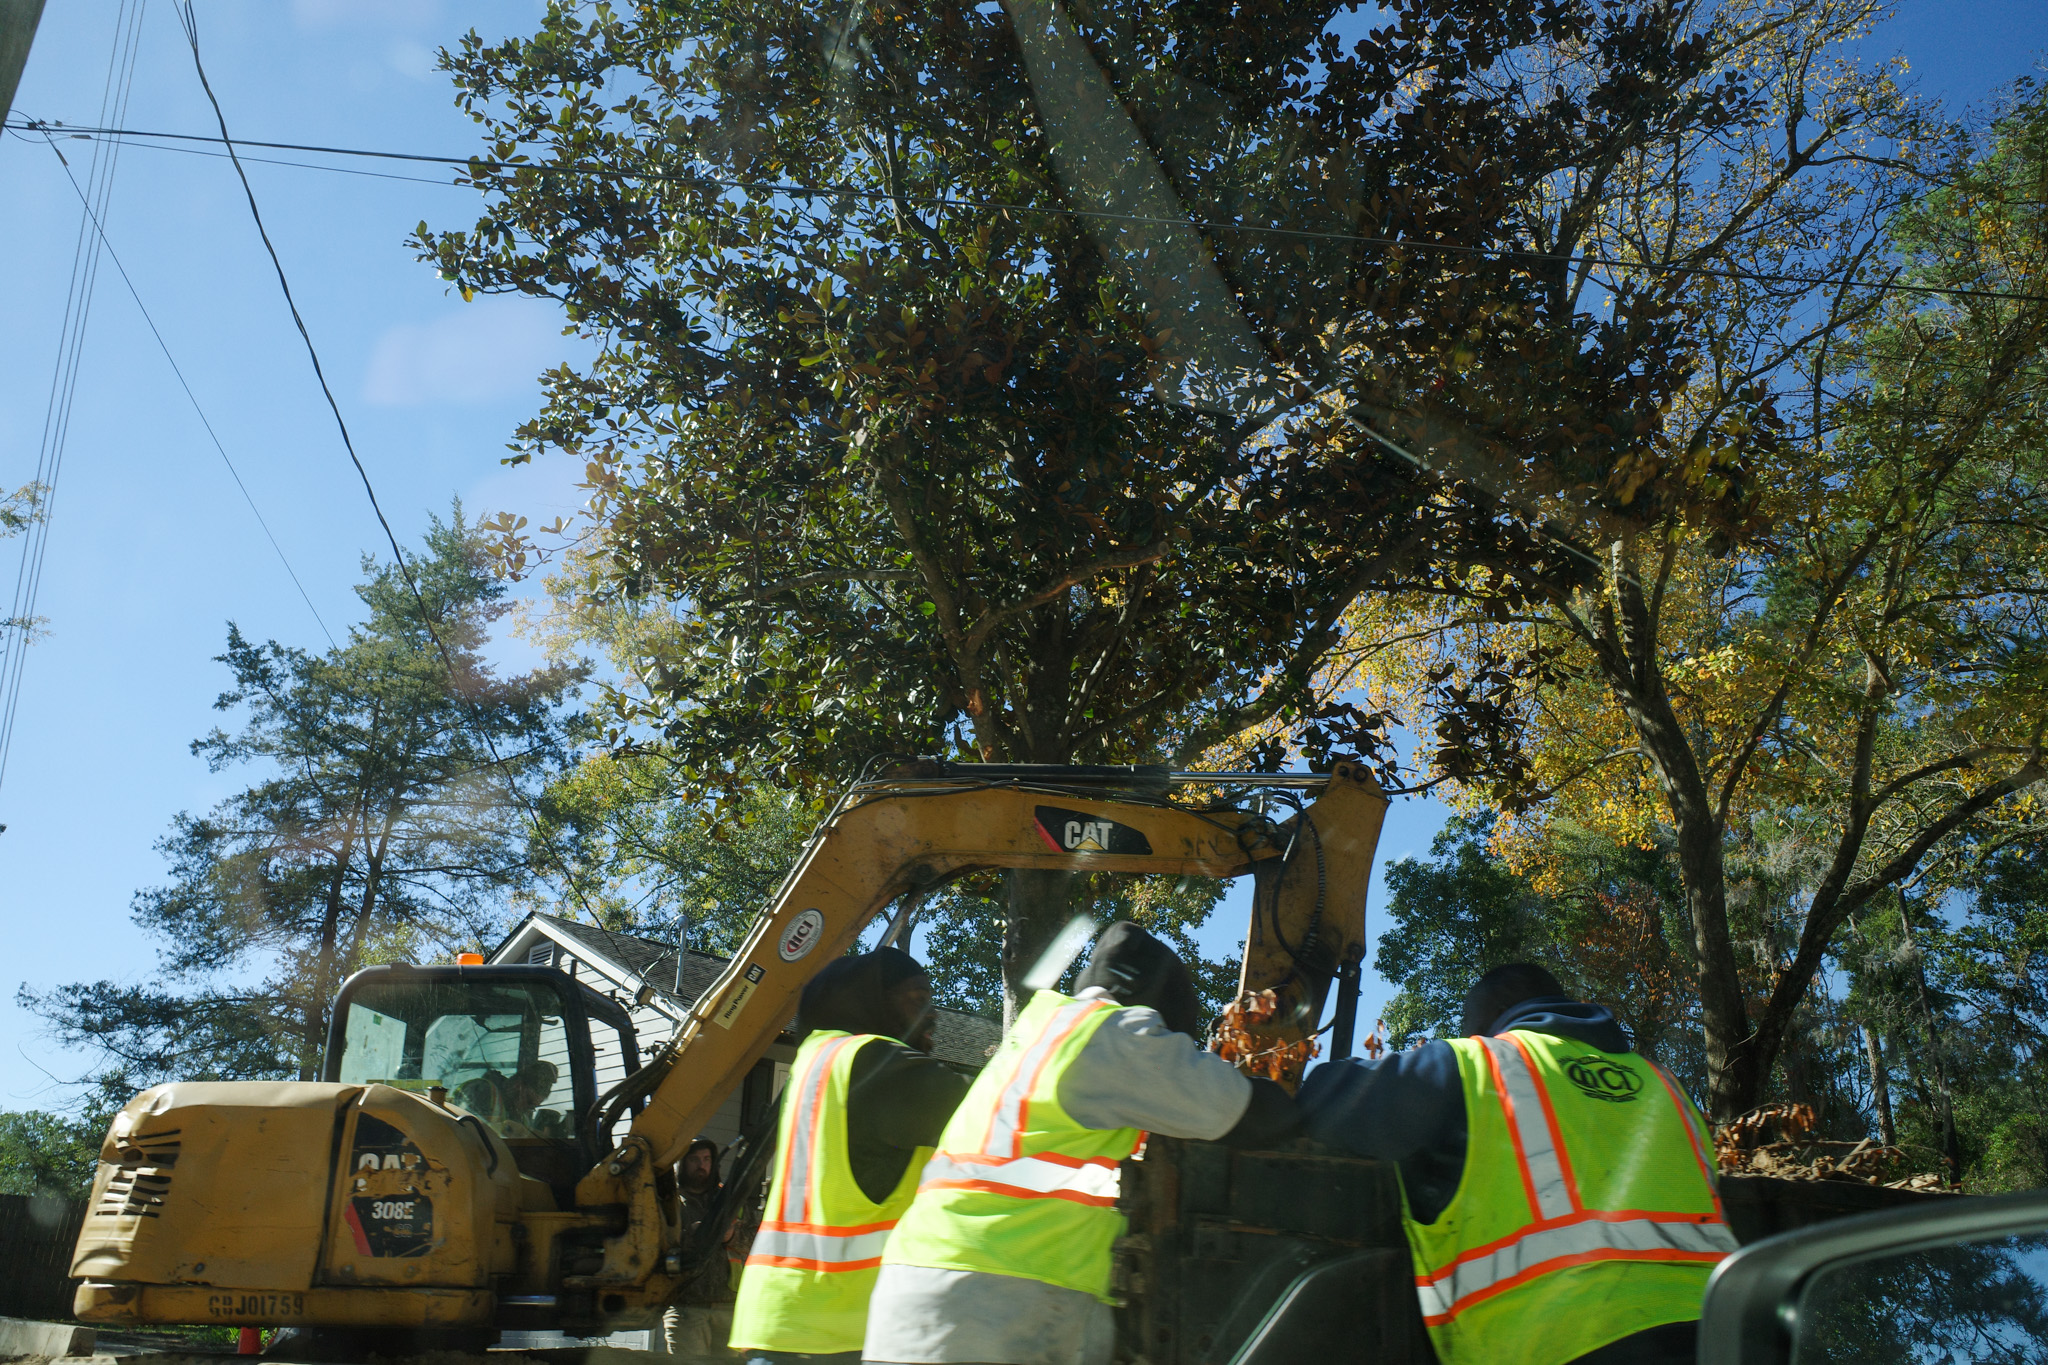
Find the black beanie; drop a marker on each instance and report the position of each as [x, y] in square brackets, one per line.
[892, 967]
[1500, 990]
[851, 994]
[1137, 969]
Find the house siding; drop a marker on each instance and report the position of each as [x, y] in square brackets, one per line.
[652, 1027]
[616, 964]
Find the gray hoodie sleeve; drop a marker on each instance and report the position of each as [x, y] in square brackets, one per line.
[1137, 1073]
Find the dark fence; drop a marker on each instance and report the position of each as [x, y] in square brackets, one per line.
[37, 1233]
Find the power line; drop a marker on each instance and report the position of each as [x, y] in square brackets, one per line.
[475, 165]
[163, 346]
[188, 17]
[19, 626]
[18, 129]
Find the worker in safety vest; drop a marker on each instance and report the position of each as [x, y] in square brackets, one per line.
[1004, 1256]
[1558, 1186]
[860, 1112]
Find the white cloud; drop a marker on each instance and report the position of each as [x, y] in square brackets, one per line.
[489, 349]
[415, 61]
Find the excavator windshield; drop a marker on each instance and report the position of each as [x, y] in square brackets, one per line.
[500, 1049]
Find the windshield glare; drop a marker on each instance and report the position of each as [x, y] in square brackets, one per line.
[500, 1051]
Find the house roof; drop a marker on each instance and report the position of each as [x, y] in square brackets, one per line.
[966, 1040]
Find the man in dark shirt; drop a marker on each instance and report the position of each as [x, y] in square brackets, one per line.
[1410, 1108]
[899, 1096]
[795, 1304]
[696, 1325]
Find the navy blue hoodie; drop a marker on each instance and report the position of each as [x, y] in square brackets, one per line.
[1409, 1107]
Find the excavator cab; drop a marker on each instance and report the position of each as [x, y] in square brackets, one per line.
[515, 1046]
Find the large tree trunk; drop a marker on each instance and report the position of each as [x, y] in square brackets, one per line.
[1038, 902]
[1733, 1078]
[1880, 1088]
[1623, 639]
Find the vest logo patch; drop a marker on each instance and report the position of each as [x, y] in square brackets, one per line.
[1602, 1078]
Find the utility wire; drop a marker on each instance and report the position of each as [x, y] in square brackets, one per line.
[19, 626]
[114, 256]
[471, 166]
[476, 165]
[19, 130]
[189, 19]
[458, 184]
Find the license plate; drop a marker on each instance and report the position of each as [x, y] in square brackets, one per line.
[267, 1306]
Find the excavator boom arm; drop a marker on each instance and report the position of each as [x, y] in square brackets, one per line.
[898, 835]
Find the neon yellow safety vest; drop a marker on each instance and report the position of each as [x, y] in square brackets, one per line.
[1017, 1187]
[806, 1283]
[1587, 1210]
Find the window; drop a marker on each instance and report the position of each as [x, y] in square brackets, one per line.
[501, 1051]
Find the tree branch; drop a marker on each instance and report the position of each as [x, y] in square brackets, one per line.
[805, 580]
[1127, 559]
[1827, 915]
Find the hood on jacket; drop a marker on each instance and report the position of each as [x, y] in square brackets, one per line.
[1134, 968]
[1578, 1020]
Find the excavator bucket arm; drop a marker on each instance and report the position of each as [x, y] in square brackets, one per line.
[928, 823]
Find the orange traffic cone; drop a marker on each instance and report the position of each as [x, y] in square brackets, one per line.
[250, 1342]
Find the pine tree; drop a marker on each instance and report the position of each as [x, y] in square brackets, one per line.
[391, 820]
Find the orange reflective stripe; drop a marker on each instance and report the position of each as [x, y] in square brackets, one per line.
[1483, 1272]
[1093, 1201]
[814, 1126]
[1079, 1180]
[806, 1134]
[1587, 1216]
[1008, 1119]
[827, 1230]
[820, 1248]
[1500, 1087]
[824, 1267]
[1565, 1263]
[1059, 1031]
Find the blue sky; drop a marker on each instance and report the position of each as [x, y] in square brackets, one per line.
[152, 550]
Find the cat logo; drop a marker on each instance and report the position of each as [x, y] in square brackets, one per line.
[1078, 831]
[391, 1161]
[1085, 836]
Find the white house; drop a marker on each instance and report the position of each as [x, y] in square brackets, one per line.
[644, 977]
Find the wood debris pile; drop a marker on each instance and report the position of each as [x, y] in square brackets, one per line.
[1235, 1042]
[1781, 1140]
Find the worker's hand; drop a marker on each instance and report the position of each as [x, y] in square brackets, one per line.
[1271, 1116]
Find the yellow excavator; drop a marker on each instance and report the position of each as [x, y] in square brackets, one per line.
[454, 1175]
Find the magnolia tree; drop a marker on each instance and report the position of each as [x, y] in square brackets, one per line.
[1044, 383]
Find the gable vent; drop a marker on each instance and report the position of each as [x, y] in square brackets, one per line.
[541, 955]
